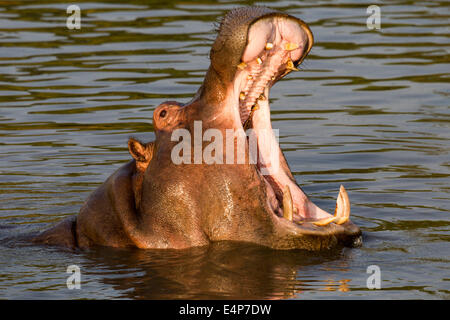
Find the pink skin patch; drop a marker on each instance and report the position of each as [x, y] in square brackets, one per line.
[273, 44]
[277, 31]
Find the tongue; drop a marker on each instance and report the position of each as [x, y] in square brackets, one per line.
[273, 166]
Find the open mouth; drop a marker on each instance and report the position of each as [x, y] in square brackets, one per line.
[276, 45]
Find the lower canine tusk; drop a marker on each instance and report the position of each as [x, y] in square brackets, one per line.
[287, 204]
[342, 212]
[325, 221]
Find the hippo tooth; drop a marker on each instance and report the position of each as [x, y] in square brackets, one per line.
[269, 45]
[262, 97]
[290, 46]
[255, 107]
[290, 65]
[325, 221]
[249, 77]
[242, 96]
[259, 60]
[242, 65]
[342, 212]
[287, 203]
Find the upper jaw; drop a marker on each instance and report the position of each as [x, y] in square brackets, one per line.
[276, 45]
[235, 43]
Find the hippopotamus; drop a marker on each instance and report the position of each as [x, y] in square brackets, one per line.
[191, 186]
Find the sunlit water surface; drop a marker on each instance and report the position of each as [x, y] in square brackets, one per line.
[370, 110]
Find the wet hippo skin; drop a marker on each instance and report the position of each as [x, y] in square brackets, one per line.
[156, 202]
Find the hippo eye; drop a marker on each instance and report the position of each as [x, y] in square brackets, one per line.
[163, 113]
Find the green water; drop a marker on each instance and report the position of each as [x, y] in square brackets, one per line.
[370, 110]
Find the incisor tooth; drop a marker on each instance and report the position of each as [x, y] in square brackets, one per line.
[249, 77]
[242, 96]
[259, 60]
[287, 203]
[342, 212]
[242, 65]
[262, 97]
[269, 45]
[290, 66]
[290, 46]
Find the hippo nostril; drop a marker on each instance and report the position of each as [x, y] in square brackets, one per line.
[163, 113]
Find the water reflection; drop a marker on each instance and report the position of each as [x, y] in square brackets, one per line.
[222, 270]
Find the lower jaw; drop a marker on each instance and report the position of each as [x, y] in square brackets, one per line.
[275, 171]
[303, 209]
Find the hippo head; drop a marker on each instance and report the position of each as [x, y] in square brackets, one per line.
[215, 171]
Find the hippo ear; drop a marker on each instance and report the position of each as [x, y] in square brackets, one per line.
[138, 150]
